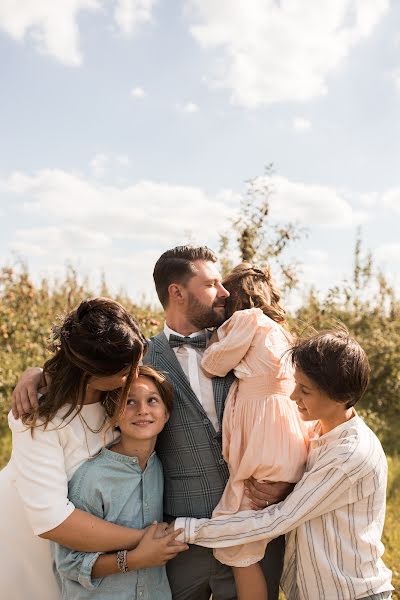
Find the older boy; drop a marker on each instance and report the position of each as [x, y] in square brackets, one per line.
[335, 513]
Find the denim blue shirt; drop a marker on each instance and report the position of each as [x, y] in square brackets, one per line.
[113, 487]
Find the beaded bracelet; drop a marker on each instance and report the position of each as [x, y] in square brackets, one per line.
[122, 563]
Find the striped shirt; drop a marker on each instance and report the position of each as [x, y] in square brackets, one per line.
[335, 517]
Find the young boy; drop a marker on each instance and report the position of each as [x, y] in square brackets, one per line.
[124, 484]
[335, 513]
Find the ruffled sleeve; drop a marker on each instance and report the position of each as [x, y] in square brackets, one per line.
[41, 478]
[235, 338]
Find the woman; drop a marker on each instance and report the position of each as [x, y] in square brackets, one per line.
[97, 350]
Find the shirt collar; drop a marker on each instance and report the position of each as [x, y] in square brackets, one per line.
[334, 433]
[168, 331]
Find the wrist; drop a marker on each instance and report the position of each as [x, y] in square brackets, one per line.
[137, 536]
[133, 560]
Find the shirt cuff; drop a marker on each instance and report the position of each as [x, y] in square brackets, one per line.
[85, 571]
[189, 526]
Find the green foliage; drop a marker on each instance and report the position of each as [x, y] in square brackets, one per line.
[258, 239]
[367, 306]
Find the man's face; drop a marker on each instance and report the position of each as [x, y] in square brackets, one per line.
[205, 296]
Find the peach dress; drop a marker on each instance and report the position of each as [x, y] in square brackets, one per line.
[262, 433]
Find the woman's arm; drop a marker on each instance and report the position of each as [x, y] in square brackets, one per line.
[41, 481]
[24, 396]
[87, 533]
[88, 569]
[151, 552]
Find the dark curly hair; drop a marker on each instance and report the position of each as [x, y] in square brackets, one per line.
[99, 338]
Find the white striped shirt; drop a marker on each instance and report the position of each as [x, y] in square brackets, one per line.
[335, 517]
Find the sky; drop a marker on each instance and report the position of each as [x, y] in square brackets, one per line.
[130, 126]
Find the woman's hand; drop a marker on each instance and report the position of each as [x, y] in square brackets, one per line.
[153, 551]
[24, 396]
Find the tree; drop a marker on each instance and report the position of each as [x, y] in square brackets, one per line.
[256, 237]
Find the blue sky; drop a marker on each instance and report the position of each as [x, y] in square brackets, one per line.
[129, 126]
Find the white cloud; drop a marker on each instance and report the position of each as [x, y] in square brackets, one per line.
[98, 164]
[52, 25]
[310, 204]
[131, 14]
[301, 125]
[145, 210]
[280, 51]
[391, 200]
[395, 75]
[188, 107]
[388, 252]
[138, 92]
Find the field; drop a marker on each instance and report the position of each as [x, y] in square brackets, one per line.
[27, 311]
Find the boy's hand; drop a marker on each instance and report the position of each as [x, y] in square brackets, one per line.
[24, 396]
[262, 494]
[152, 551]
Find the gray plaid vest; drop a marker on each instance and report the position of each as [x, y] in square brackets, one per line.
[195, 474]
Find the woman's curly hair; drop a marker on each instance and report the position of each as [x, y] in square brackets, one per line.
[99, 338]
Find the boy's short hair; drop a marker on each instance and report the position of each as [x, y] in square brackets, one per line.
[162, 384]
[176, 266]
[335, 362]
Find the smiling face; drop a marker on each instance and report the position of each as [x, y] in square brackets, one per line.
[145, 414]
[205, 296]
[312, 403]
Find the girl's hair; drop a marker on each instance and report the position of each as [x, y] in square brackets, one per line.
[252, 287]
[99, 338]
[164, 388]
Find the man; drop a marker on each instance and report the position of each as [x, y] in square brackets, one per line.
[190, 290]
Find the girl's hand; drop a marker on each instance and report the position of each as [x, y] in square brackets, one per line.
[154, 551]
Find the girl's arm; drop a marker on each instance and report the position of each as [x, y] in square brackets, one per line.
[235, 337]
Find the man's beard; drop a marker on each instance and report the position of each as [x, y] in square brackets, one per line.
[202, 316]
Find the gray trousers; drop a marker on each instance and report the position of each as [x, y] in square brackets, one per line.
[195, 574]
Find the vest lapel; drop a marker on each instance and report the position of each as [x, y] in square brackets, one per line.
[166, 361]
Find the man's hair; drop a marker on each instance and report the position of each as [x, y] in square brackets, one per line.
[176, 266]
[335, 362]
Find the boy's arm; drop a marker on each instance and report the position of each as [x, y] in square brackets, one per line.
[321, 490]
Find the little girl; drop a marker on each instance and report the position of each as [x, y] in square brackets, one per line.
[124, 484]
[263, 435]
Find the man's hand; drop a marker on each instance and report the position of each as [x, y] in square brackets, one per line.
[152, 551]
[24, 396]
[266, 493]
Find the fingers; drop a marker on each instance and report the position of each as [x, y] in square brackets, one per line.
[32, 397]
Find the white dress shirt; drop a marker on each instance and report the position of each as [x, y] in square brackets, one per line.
[335, 517]
[189, 359]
